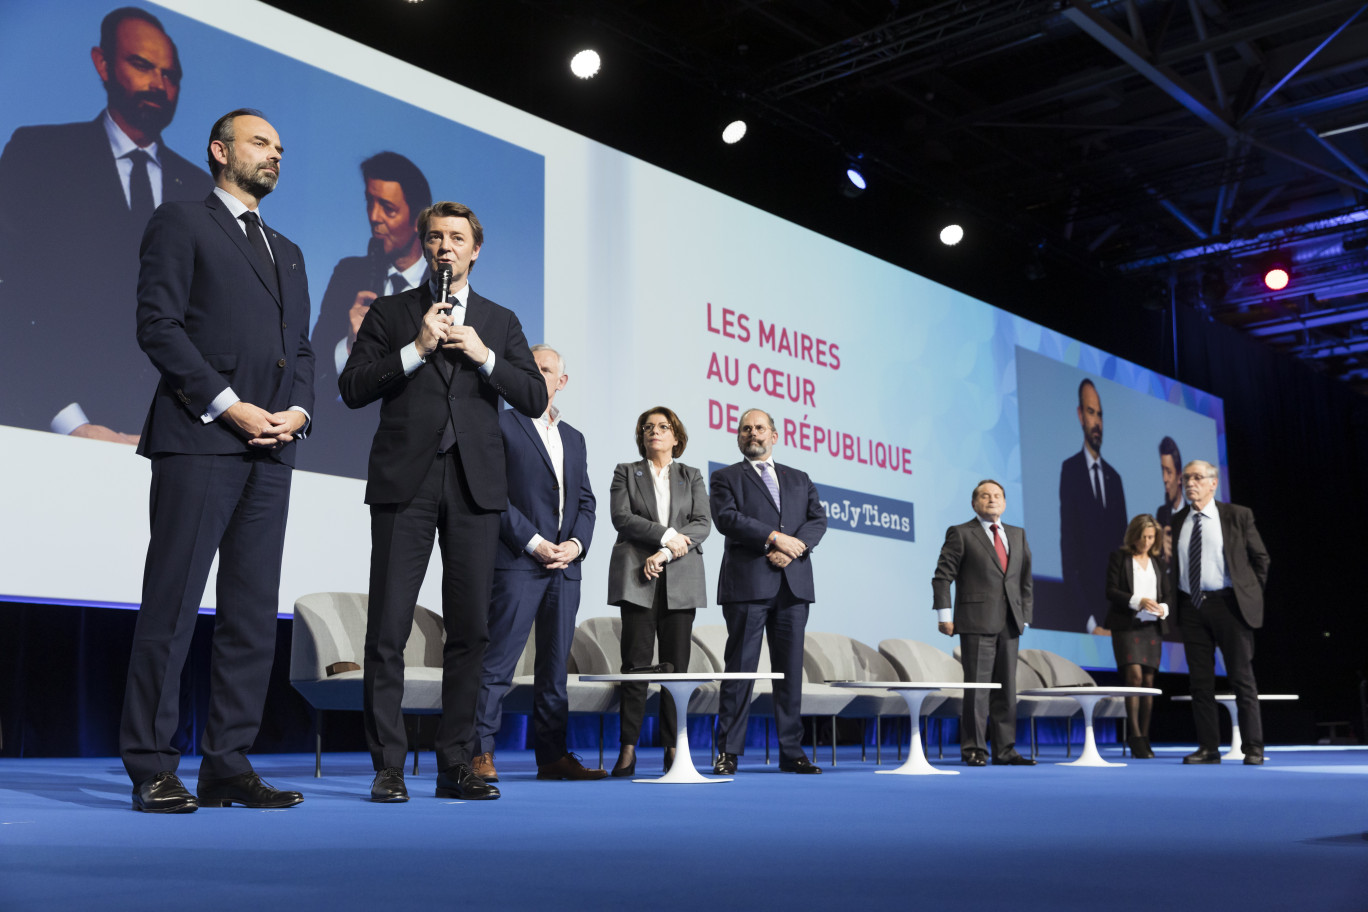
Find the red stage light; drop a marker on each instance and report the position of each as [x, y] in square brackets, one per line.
[1276, 278]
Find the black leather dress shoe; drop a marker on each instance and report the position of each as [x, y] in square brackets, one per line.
[1253, 756]
[1203, 755]
[798, 765]
[461, 782]
[245, 789]
[389, 786]
[725, 765]
[974, 757]
[164, 793]
[1013, 759]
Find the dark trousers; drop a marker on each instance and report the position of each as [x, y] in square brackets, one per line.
[990, 658]
[1218, 623]
[235, 506]
[642, 628]
[521, 597]
[401, 545]
[783, 620]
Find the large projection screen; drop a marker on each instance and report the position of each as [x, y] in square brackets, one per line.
[895, 394]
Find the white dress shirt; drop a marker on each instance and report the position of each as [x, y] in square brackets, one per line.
[121, 146]
[1145, 585]
[1214, 575]
[548, 429]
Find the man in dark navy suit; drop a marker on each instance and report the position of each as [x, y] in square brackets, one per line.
[114, 171]
[395, 192]
[1092, 522]
[544, 536]
[223, 314]
[772, 518]
[439, 364]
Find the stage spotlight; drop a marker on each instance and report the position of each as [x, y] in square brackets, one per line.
[733, 132]
[585, 64]
[854, 183]
[951, 235]
[1276, 279]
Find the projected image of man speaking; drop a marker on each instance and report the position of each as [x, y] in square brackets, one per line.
[107, 174]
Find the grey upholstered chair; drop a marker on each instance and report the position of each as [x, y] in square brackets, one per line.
[330, 628]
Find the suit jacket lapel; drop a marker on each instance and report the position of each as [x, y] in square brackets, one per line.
[233, 229]
[977, 534]
[645, 484]
[530, 429]
[754, 478]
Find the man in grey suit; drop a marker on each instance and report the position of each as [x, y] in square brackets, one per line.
[990, 564]
[1220, 570]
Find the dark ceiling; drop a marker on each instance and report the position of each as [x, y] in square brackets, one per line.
[1170, 149]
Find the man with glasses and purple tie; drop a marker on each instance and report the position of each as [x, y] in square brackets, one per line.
[1220, 570]
[772, 518]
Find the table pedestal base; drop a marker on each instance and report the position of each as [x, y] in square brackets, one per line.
[916, 763]
[1090, 756]
[682, 771]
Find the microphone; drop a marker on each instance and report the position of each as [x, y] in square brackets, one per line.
[379, 265]
[443, 283]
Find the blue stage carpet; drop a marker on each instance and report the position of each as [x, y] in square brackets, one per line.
[1153, 836]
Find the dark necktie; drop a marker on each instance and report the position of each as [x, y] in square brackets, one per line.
[1000, 547]
[140, 188]
[770, 484]
[397, 282]
[1195, 562]
[257, 240]
[1097, 485]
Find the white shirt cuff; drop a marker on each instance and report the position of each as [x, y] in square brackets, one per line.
[69, 419]
[533, 544]
[488, 367]
[308, 420]
[222, 403]
[410, 358]
[340, 355]
[945, 615]
[578, 544]
[669, 534]
[1135, 602]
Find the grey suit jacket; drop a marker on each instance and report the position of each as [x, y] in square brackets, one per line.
[633, 503]
[985, 596]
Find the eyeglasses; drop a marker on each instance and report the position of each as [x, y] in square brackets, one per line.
[662, 427]
[1187, 478]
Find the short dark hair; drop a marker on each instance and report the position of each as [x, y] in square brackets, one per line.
[1137, 528]
[448, 209]
[1086, 382]
[391, 166]
[681, 435]
[222, 131]
[991, 482]
[109, 29]
[1169, 447]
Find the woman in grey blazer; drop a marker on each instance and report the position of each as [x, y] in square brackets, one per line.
[655, 573]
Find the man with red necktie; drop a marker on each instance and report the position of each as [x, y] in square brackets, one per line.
[990, 564]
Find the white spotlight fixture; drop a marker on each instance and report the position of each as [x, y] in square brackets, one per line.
[733, 132]
[585, 64]
[951, 235]
[855, 180]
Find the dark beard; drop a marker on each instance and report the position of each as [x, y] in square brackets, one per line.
[256, 180]
[151, 120]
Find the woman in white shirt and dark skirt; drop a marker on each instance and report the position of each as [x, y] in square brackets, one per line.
[1140, 594]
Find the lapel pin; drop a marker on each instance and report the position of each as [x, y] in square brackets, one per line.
[638, 473]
